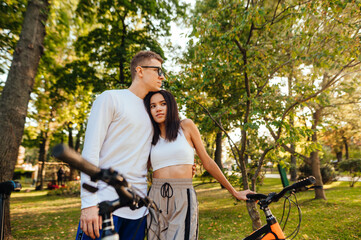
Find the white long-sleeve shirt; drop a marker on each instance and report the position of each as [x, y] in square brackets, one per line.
[118, 135]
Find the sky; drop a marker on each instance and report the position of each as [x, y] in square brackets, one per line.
[179, 38]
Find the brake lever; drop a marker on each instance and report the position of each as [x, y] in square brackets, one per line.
[90, 188]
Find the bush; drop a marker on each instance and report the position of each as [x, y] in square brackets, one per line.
[70, 189]
[21, 173]
[353, 168]
[328, 173]
[207, 177]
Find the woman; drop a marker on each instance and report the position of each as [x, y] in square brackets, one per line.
[172, 158]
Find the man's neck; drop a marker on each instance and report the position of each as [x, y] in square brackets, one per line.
[138, 90]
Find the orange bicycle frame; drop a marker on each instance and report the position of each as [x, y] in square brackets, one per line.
[271, 231]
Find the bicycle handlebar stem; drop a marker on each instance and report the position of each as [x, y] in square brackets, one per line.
[108, 227]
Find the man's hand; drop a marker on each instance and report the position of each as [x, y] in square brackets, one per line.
[242, 195]
[90, 221]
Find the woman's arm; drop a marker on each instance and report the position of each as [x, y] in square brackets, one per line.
[193, 133]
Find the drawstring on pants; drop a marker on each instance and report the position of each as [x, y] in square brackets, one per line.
[166, 191]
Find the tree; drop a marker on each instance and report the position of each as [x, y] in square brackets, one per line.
[58, 98]
[119, 30]
[341, 117]
[19, 84]
[253, 45]
[353, 168]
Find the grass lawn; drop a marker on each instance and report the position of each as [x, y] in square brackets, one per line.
[34, 215]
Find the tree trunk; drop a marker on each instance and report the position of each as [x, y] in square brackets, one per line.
[293, 169]
[254, 214]
[252, 211]
[122, 50]
[346, 148]
[43, 151]
[316, 172]
[16, 93]
[70, 137]
[79, 135]
[246, 156]
[218, 153]
[339, 156]
[73, 172]
[315, 161]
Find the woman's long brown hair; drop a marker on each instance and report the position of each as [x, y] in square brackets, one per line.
[172, 121]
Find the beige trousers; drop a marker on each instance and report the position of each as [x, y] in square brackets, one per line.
[177, 201]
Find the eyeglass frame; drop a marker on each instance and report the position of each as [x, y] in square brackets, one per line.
[160, 70]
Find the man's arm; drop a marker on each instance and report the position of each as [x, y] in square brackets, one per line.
[99, 120]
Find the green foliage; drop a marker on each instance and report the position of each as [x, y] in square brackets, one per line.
[353, 168]
[119, 29]
[21, 173]
[245, 54]
[11, 18]
[54, 103]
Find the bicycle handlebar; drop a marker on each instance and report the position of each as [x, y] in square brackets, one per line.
[9, 186]
[74, 159]
[109, 176]
[297, 185]
[127, 195]
[273, 197]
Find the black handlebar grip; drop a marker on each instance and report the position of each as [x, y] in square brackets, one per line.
[256, 196]
[75, 160]
[303, 183]
[9, 186]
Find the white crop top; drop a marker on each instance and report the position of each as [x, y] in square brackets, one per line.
[166, 153]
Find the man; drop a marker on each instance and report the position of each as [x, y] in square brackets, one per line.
[60, 175]
[119, 135]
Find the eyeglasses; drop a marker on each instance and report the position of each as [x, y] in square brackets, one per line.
[160, 71]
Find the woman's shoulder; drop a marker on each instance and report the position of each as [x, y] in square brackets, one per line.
[185, 123]
[188, 125]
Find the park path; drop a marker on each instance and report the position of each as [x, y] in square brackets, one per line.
[341, 178]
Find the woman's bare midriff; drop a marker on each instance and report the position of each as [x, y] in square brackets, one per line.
[176, 171]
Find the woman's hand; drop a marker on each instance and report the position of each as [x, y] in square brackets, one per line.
[194, 169]
[242, 195]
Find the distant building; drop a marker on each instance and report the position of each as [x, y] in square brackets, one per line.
[21, 156]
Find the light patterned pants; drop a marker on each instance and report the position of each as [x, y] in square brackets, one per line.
[177, 201]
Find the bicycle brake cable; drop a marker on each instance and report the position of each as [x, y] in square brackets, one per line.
[297, 229]
[289, 212]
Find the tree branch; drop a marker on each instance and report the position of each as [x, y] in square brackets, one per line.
[328, 84]
[271, 76]
[274, 14]
[217, 123]
[260, 164]
[293, 152]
